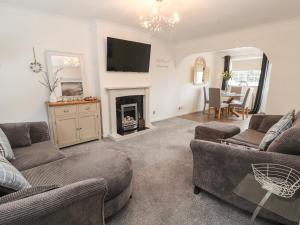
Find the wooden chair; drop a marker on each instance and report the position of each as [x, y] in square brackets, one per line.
[243, 105]
[216, 104]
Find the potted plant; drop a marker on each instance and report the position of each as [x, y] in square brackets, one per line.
[227, 75]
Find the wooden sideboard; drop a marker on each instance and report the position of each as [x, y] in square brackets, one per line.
[74, 122]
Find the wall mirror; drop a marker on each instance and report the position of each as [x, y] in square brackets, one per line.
[68, 68]
[199, 70]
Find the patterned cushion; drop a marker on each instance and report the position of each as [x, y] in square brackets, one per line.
[5, 148]
[282, 125]
[10, 177]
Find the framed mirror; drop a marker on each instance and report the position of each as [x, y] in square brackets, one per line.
[199, 70]
[68, 69]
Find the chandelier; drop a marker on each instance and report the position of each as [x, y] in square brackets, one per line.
[157, 21]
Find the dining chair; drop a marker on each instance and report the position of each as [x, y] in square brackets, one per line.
[243, 105]
[236, 89]
[215, 102]
[206, 100]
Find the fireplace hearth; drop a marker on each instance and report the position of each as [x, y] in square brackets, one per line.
[129, 111]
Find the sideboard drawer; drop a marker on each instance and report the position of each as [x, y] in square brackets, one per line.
[65, 110]
[86, 108]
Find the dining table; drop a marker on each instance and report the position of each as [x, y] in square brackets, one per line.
[229, 98]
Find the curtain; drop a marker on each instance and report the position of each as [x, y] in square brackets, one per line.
[226, 68]
[261, 84]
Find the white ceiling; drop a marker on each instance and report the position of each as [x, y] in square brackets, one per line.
[198, 17]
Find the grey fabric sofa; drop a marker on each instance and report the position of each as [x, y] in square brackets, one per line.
[92, 185]
[219, 168]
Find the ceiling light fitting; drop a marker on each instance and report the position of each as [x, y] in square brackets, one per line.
[157, 21]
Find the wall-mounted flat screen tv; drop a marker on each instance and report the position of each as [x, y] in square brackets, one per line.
[127, 56]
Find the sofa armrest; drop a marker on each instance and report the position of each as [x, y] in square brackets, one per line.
[220, 168]
[257, 119]
[77, 203]
[39, 132]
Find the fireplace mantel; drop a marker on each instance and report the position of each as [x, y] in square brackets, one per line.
[115, 92]
[126, 87]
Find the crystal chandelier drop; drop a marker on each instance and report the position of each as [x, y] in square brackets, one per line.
[157, 21]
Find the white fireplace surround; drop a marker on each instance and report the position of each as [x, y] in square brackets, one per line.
[115, 92]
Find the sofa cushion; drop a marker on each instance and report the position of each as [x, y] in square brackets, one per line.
[39, 132]
[287, 143]
[250, 136]
[297, 120]
[36, 155]
[18, 134]
[282, 125]
[113, 166]
[10, 177]
[5, 148]
[267, 123]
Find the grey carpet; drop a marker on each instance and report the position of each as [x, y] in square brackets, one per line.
[162, 183]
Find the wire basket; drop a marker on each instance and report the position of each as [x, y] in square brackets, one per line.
[281, 180]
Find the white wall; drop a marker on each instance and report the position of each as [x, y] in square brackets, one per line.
[280, 41]
[168, 86]
[22, 98]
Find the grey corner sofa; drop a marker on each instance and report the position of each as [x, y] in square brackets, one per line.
[90, 186]
[219, 168]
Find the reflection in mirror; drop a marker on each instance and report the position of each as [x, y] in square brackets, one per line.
[70, 75]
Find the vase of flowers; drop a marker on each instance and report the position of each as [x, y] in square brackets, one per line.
[227, 75]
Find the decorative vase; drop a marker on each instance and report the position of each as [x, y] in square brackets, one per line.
[227, 85]
[52, 97]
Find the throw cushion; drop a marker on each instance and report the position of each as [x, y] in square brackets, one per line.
[18, 134]
[24, 193]
[288, 142]
[5, 148]
[267, 123]
[10, 177]
[282, 125]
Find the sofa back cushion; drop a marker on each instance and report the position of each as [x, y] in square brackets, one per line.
[10, 177]
[39, 132]
[18, 134]
[288, 142]
[267, 123]
[282, 125]
[5, 148]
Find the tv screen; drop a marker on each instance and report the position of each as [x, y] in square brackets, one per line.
[127, 56]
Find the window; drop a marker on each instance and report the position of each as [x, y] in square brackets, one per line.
[251, 77]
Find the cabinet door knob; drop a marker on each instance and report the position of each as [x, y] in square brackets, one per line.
[66, 110]
[87, 108]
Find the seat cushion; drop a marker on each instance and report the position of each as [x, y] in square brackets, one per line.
[35, 155]
[113, 166]
[250, 136]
